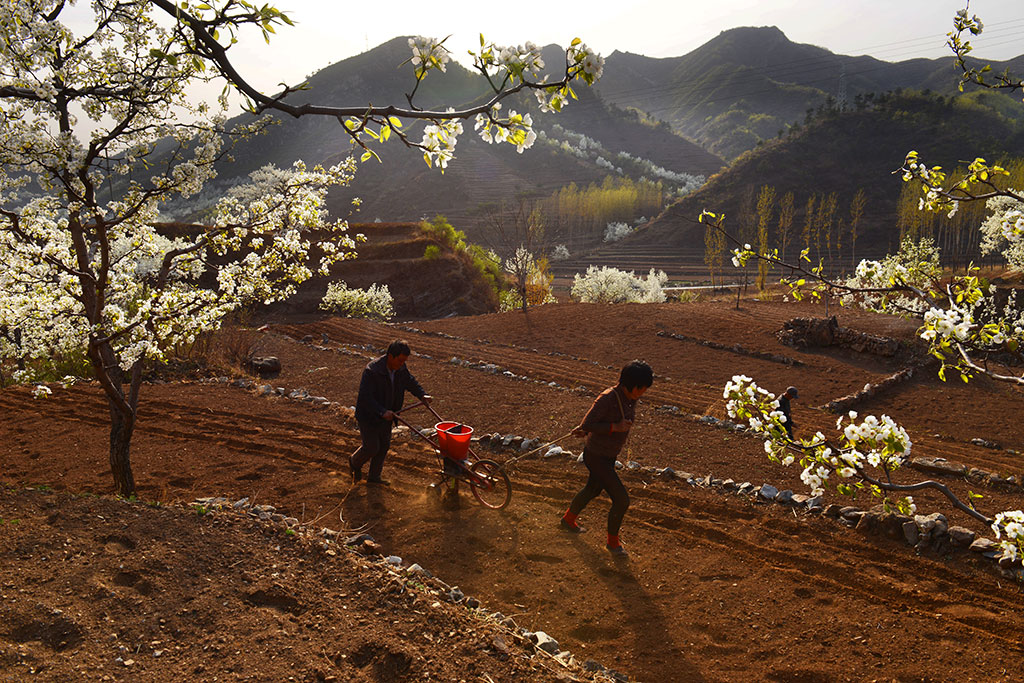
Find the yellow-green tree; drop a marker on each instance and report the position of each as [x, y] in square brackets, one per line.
[786, 211]
[765, 204]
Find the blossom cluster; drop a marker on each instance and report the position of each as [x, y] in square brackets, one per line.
[881, 285]
[516, 128]
[945, 323]
[439, 141]
[428, 53]
[1011, 526]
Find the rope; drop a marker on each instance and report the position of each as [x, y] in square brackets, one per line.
[549, 444]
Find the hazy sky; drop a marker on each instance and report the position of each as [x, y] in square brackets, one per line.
[328, 30]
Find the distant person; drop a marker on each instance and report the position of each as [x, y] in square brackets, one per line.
[381, 393]
[789, 394]
[606, 427]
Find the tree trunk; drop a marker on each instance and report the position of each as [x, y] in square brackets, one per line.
[121, 427]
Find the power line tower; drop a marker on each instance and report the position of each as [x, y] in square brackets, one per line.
[841, 100]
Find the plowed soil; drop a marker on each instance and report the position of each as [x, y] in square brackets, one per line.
[717, 587]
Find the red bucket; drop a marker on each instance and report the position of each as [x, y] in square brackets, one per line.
[453, 438]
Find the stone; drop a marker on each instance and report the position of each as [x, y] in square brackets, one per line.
[768, 492]
[938, 466]
[667, 474]
[850, 512]
[545, 642]
[592, 666]
[357, 539]
[472, 603]
[910, 533]
[998, 481]
[455, 595]
[417, 570]
[370, 548]
[983, 545]
[934, 524]
[833, 511]
[800, 499]
[985, 443]
[785, 497]
[265, 366]
[394, 560]
[632, 465]
[553, 451]
[729, 484]
[816, 503]
[962, 537]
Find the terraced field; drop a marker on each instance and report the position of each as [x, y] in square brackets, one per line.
[717, 587]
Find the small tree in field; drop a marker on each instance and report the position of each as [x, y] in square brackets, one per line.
[98, 132]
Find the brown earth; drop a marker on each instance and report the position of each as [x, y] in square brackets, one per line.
[717, 587]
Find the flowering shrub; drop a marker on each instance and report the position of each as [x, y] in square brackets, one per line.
[560, 253]
[613, 286]
[531, 276]
[848, 462]
[374, 303]
[616, 231]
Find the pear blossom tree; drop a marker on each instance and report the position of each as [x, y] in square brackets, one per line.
[99, 132]
[962, 325]
[863, 457]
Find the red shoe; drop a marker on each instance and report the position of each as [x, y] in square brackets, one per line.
[617, 551]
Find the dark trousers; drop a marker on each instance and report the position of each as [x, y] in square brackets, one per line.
[376, 441]
[602, 478]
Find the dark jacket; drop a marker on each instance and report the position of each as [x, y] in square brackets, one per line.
[608, 408]
[377, 395]
[786, 410]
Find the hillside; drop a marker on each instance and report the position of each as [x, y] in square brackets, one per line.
[842, 152]
[747, 84]
[403, 188]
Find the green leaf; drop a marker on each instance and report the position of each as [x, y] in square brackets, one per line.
[575, 42]
[395, 121]
[366, 155]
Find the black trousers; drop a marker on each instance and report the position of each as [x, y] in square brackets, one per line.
[603, 477]
[376, 441]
